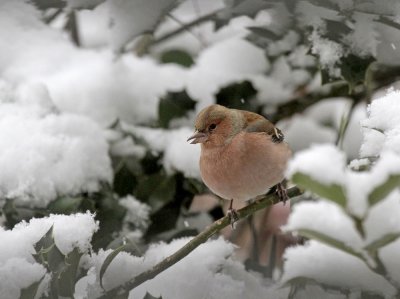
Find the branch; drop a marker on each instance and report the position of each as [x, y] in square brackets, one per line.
[268, 200]
[187, 26]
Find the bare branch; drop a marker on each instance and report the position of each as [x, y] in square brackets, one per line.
[268, 200]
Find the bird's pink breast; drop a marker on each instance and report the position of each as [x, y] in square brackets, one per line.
[246, 167]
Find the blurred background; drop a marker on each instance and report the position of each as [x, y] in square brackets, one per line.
[136, 73]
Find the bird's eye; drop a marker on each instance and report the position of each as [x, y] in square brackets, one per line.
[212, 127]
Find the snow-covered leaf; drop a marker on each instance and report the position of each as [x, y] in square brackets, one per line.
[389, 22]
[381, 191]
[328, 240]
[264, 32]
[65, 205]
[128, 247]
[67, 277]
[381, 242]
[31, 291]
[178, 57]
[333, 192]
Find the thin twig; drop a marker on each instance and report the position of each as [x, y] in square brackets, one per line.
[181, 29]
[201, 238]
[343, 126]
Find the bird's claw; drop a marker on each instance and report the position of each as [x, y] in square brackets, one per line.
[233, 217]
[281, 192]
[277, 136]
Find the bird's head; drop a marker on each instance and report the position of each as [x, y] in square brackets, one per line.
[216, 125]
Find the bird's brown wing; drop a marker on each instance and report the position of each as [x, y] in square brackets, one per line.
[258, 123]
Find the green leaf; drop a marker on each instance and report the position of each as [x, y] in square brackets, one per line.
[47, 252]
[328, 240]
[325, 4]
[332, 192]
[389, 22]
[48, 255]
[178, 57]
[128, 247]
[11, 213]
[31, 291]
[336, 30]
[353, 69]
[381, 242]
[157, 190]
[384, 189]
[325, 76]
[46, 4]
[238, 96]
[110, 215]
[264, 32]
[68, 276]
[163, 193]
[65, 205]
[174, 105]
[149, 296]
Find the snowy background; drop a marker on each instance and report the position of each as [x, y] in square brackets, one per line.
[98, 183]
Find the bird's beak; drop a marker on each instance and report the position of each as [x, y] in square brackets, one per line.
[198, 137]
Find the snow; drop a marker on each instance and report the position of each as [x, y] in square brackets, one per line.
[382, 127]
[179, 155]
[388, 255]
[17, 274]
[383, 219]
[132, 18]
[314, 163]
[378, 220]
[358, 185]
[329, 52]
[333, 267]
[219, 66]
[45, 154]
[316, 220]
[216, 275]
[301, 131]
[137, 213]
[18, 268]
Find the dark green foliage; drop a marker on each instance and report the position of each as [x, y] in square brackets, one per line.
[64, 268]
[383, 190]
[238, 96]
[264, 33]
[65, 205]
[149, 296]
[336, 30]
[333, 192]
[46, 4]
[353, 69]
[179, 57]
[110, 215]
[174, 105]
[30, 291]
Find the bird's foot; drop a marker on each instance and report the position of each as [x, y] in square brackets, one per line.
[233, 215]
[277, 136]
[280, 190]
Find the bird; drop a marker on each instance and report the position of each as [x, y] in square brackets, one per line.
[243, 154]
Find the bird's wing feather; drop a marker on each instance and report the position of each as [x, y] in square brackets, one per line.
[258, 123]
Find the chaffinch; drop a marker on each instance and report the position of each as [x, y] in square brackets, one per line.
[242, 156]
